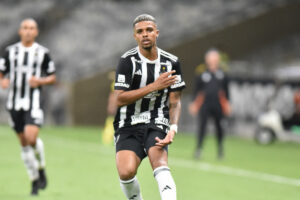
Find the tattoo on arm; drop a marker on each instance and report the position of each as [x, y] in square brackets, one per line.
[175, 107]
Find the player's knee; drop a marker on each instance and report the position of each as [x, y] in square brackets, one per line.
[22, 139]
[31, 140]
[127, 173]
[23, 142]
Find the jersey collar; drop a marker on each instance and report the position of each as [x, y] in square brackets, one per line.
[143, 58]
[28, 48]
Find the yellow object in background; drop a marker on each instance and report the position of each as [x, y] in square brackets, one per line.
[108, 131]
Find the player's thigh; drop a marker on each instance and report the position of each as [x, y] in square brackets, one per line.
[31, 133]
[33, 121]
[130, 150]
[158, 156]
[127, 164]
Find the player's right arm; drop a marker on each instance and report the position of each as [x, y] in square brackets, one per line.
[125, 95]
[129, 97]
[4, 69]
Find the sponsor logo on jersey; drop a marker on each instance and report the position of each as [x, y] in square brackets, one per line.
[121, 78]
[176, 85]
[140, 118]
[160, 126]
[152, 95]
[138, 72]
[163, 121]
[122, 85]
[178, 79]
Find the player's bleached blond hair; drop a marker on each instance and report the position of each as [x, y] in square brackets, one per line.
[144, 17]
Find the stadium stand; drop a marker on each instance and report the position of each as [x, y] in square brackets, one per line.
[86, 38]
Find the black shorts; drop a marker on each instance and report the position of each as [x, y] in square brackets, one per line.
[138, 138]
[21, 118]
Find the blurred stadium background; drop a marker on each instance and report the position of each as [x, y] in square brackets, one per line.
[260, 45]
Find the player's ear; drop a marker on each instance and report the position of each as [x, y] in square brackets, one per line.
[157, 33]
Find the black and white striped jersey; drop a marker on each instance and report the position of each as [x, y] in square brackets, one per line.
[135, 71]
[19, 64]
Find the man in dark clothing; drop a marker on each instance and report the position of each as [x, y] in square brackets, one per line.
[210, 100]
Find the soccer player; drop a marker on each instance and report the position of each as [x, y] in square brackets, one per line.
[25, 67]
[148, 87]
[211, 96]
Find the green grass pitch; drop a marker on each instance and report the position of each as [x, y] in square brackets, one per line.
[79, 167]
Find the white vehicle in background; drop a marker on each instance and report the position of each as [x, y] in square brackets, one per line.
[270, 124]
[270, 128]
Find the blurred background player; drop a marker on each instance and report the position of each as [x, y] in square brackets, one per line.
[108, 131]
[149, 101]
[210, 100]
[24, 68]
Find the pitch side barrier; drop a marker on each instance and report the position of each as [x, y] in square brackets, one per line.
[251, 96]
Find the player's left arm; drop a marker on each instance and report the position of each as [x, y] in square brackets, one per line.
[174, 106]
[48, 69]
[174, 111]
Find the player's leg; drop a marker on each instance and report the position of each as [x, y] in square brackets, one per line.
[127, 164]
[31, 133]
[158, 158]
[219, 134]
[203, 117]
[130, 153]
[28, 156]
[27, 152]
[33, 122]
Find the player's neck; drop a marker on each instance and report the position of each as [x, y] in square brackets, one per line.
[150, 54]
[27, 43]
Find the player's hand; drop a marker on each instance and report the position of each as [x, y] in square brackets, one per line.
[167, 140]
[34, 82]
[165, 80]
[4, 83]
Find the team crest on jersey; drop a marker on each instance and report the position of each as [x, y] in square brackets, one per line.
[163, 69]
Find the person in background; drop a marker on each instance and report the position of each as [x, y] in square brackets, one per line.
[25, 67]
[108, 131]
[210, 99]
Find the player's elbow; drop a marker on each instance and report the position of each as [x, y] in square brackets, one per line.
[51, 79]
[120, 103]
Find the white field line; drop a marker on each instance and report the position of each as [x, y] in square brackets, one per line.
[189, 164]
[202, 166]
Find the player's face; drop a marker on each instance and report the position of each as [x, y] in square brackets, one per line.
[212, 60]
[146, 33]
[28, 31]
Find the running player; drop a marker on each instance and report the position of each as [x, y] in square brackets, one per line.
[148, 87]
[24, 68]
